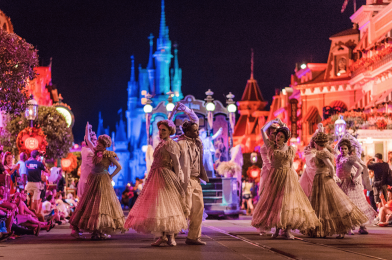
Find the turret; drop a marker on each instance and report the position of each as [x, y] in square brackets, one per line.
[176, 77]
[150, 67]
[132, 88]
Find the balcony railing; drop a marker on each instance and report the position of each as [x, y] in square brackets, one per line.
[384, 60]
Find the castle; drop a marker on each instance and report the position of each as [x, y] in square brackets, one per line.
[157, 79]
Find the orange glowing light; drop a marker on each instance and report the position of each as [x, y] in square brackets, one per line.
[65, 163]
[31, 143]
[254, 174]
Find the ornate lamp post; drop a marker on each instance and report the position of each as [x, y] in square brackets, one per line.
[210, 106]
[232, 108]
[340, 127]
[31, 110]
[147, 110]
[170, 105]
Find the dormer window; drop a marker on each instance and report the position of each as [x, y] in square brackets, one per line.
[342, 66]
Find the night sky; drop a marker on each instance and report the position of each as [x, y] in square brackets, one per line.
[91, 43]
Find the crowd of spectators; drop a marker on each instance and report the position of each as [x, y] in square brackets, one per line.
[131, 193]
[27, 203]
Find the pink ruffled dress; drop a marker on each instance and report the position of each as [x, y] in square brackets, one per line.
[160, 207]
[283, 204]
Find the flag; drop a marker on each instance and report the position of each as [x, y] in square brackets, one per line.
[344, 5]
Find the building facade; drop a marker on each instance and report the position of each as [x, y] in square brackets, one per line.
[357, 77]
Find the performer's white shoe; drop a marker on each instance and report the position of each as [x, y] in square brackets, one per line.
[159, 241]
[288, 235]
[171, 240]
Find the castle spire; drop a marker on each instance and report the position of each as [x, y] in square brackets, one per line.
[251, 64]
[175, 45]
[176, 76]
[162, 29]
[150, 64]
[133, 79]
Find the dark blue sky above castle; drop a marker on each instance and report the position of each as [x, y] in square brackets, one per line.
[91, 43]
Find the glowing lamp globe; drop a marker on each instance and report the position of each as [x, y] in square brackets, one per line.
[147, 108]
[340, 127]
[65, 163]
[210, 107]
[31, 143]
[254, 174]
[169, 107]
[303, 66]
[31, 109]
[253, 158]
[232, 108]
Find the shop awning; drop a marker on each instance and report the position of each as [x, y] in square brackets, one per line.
[338, 103]
[386, 96]
[312, 116]
[363, 102]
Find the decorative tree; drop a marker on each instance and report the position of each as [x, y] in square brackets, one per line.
[18, 59]
[54, 126]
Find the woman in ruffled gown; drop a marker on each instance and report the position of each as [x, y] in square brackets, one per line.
[99, 210]
[282, 204]
[349, 169]
[336, 212]
[306, 180]
[160, 207]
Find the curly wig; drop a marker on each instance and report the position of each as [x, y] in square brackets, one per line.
[187, 125]
[321, 139]
[105, 140]
[285, 131]
[345, 142]
[169, 124]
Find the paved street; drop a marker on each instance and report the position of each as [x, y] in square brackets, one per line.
[227, 239]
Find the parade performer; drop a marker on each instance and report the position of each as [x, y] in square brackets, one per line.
[99, 211]
[160, 208]
[87, 161]
[191, 161]
[282, 204]
[209, 150]
[271, 132]
[306, 180]
[334, 209]
[349, 170]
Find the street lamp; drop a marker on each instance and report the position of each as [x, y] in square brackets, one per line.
[147, 110]
[210, 106]
[232, 108]
[170, 105]
[31, 110]
[340, 127]
[253, 158]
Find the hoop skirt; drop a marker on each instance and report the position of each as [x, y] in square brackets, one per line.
[352, 186]
[283, 204]
[99, 208]
[336, 212]
[160, 206]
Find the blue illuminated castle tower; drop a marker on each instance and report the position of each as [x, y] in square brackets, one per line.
[157, 79]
